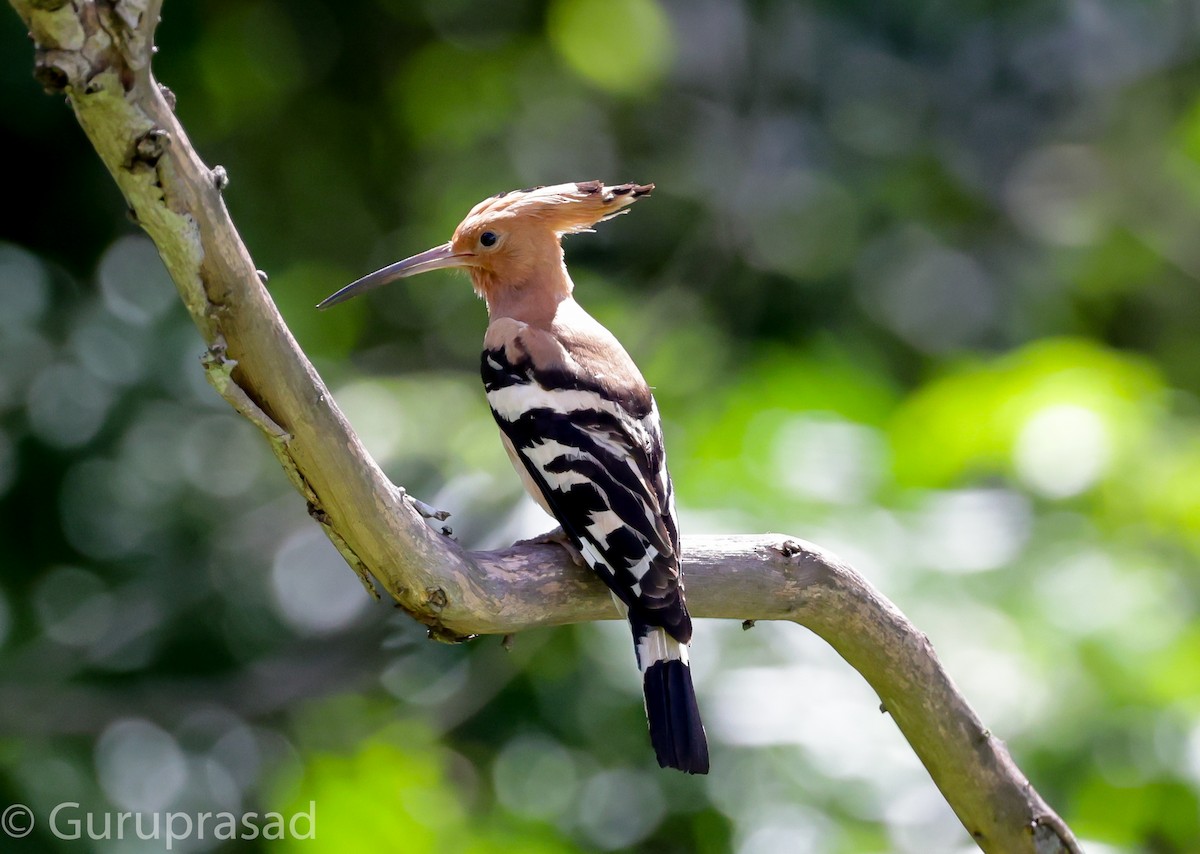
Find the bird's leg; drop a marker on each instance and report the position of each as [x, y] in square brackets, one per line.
[556, 537]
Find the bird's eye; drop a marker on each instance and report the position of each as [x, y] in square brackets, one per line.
[488, 238]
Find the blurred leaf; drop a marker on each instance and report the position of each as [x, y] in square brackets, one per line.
[622, 46]
[402, 768]
[1164, 814]
[449, 96]
[250, 61]
[967, 424]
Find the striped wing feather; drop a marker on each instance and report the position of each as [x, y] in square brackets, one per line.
[597, 459]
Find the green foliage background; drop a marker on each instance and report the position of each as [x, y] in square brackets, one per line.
[919, 283]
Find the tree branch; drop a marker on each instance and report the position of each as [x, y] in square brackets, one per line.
[99, 55]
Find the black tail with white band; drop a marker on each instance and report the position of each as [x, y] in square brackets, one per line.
[675, 728]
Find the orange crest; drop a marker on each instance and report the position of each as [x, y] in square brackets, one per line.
[562, 208]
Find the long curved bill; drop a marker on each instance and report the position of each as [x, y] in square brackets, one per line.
[437, 258]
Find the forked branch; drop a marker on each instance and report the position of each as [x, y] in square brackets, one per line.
[98, 54]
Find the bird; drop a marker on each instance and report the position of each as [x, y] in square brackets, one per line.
[580, 425]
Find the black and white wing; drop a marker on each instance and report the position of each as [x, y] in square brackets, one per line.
[596, 459]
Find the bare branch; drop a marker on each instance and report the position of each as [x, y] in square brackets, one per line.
[99, 55]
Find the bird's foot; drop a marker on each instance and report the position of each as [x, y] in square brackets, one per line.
[556, 537]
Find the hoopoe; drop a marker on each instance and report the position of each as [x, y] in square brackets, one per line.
[580, 426]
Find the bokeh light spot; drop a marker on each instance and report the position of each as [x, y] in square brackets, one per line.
[1062, 450]
[73, 606]
[937, 299]
[802, 224]
[1056, 195]
[973, 530]
[313, 589]
[97, 516]
[620, 808]
[827, 459]
[785, 828]
[134, 282]
[222, 455]
[107, 349]
[377, 411]
[140, 766]
[67, 406]
[535, 777]
[24, 287]
[623, 46]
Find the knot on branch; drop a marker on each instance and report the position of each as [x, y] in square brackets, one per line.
[51, 76]
[97, 39]
[790, 548]
[150, 147]
[318, 514]
[441, 634]
[436, 599]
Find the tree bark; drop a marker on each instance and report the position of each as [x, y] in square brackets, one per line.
[98, 54]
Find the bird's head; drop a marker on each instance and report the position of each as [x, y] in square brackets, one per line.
[512, 239]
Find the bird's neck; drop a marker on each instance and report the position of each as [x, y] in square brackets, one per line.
[533, 299]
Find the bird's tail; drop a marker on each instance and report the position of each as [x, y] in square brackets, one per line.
[675, 728]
